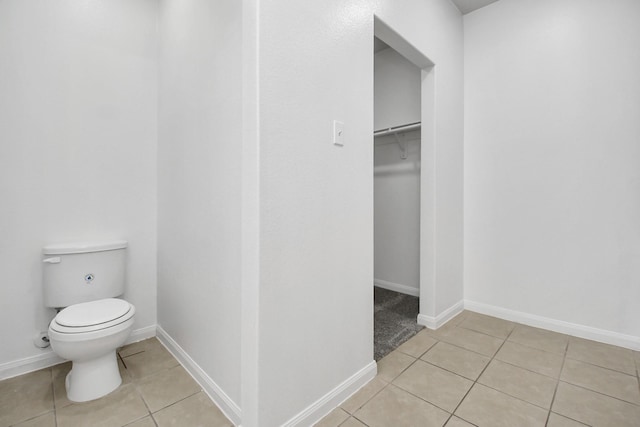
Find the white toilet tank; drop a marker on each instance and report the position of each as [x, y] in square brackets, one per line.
[82, 272]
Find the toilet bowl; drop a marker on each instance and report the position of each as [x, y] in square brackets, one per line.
[83, 280]
[88, 334]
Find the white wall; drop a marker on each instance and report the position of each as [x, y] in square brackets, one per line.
[199, 158]
[316, 199]
[316, 292]
[396, 87]
[77, 151]
[397, 90]
[396, 214]
[87, 76]
[552, 160]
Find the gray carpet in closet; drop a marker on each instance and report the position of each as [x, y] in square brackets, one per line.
[394, 320]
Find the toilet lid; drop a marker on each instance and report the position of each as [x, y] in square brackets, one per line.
[93, 313]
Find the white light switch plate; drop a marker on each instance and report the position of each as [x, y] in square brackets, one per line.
[338, 133]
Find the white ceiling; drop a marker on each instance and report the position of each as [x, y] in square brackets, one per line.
[467, 6]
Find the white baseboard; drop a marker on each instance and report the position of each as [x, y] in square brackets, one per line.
[141, 334]
[217, 395]
[587, 332]
[397, 287]
[29, 364]
[49, 358]
[435, 322]
[335, 397]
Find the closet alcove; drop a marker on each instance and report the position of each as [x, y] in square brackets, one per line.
[397, 100]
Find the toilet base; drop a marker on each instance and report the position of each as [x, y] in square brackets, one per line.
[92, 379]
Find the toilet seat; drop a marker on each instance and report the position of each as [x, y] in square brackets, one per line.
[92, 316]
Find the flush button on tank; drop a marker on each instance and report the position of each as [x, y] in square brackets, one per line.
[89, 278]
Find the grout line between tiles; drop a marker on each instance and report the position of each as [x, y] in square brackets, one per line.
[451, 372]
[476, 380]
[458, 416]
[178, 401]
[464, 348]
[568, 417]
[637, 372]
[351, 416]
[599, 366]
[504, 340]
[559, 375]
[601, 394]
[53, 398]
[365, 402]
[359, 420]
[529, 370]
[430, 348]
[122, 360]
[49, 384]
[541, 337]
[485, 333]
[137, 419]
[515, 397]
[558, 380]
[135, 387]
[555, 391]
[540, 349]
[32, 418]
[129, 355]
[402, 372]
[424, 400]
[423, 353]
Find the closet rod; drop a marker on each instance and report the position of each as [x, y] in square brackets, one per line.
[397, 129]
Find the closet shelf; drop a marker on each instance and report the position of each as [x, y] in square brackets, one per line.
[397, 129]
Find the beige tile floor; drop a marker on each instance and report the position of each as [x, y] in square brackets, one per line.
[475, 370]
[156, 391]
[482, 371]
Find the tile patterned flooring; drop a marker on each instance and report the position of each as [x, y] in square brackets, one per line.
[475, 370]
[155, 391]
[482, 371]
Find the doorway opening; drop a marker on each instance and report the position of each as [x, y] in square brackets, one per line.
[403, 189]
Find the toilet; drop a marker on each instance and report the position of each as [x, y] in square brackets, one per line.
[82, 280]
